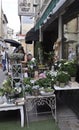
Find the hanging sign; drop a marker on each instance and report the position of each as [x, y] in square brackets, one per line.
[25, 7]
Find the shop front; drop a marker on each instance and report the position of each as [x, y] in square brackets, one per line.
[61, 31]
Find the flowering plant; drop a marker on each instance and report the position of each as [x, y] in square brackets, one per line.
[62, 76]
[31, 67]
[8, 90]
[70, 67]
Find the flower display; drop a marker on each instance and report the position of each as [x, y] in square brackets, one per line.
[8, 90]
[70, 67]
[62, 77]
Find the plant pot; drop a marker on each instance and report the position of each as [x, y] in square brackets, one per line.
[72, 79]
[62, 84]
[57, 83]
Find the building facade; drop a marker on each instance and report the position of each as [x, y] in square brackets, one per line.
[58, 23]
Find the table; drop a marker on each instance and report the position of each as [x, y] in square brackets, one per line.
[71, 86]
[11, 106]
[67, 87]
[50, 100]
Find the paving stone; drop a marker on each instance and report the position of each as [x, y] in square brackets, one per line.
[67, 119]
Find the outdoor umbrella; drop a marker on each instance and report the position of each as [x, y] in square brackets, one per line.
[12, 42]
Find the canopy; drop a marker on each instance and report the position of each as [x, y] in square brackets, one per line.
[12, 42]
[31, 35]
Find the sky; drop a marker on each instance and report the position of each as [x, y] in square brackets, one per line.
[10, 8]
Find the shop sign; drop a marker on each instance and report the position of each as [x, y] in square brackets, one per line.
[25, 7]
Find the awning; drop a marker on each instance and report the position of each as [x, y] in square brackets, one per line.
[12, 42]
[31, 35]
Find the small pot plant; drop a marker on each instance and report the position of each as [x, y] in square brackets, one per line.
[70, 67]
[63, 77]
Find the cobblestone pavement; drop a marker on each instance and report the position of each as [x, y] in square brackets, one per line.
[67, 119]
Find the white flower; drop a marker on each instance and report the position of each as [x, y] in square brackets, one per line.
[18, 89]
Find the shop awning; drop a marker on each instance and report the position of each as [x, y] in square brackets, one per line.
[31, 35]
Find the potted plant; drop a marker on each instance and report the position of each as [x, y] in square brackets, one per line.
[45, 84]
[32, 65]
[9, 91]
[50, 58]
[70, 67]
[62, 77]
[27, 85]
[15, 57]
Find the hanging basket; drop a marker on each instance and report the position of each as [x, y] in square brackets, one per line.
[16, 56]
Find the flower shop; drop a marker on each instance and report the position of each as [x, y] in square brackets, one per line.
[41, 86]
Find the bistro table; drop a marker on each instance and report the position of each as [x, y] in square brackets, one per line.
[12, 106]
[31, 101]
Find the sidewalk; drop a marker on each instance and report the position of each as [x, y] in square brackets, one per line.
[67, 119]
[2, 76]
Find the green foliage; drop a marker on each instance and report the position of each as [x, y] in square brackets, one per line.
[8, 90]
[49, 58]
[63, 77]
[50, 55]
[28, 85]
[31, 65]
[26, 81]
[45, 82]
[70, 67]
[60, 64]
